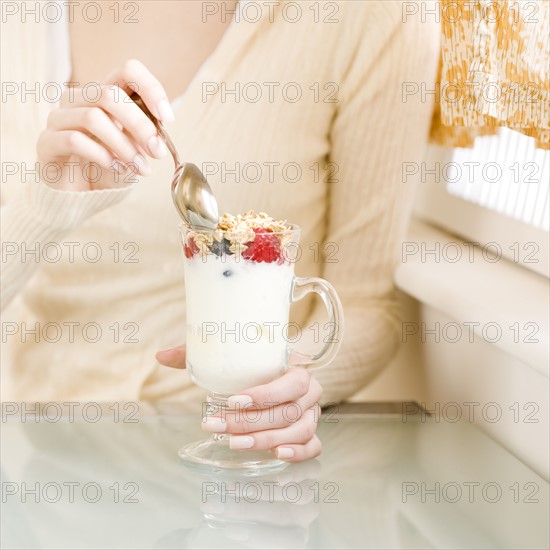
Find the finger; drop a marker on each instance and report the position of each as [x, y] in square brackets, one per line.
[299, 453]
[134, 76]
[297, 358]
[300, 432]
[289, 387]
[173, 357]
[96, 122]
[116, 103]
[62, 144]
[251, 419]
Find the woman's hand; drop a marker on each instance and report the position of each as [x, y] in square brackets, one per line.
[281, 415]
[100, 124]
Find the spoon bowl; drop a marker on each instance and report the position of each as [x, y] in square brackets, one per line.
[193, 197]
[191, 194]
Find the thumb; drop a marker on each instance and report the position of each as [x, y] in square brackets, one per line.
[172, 357]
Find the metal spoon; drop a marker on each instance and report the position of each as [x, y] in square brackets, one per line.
[191, 193]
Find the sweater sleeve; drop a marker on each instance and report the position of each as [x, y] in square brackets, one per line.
[38, 215]
[374, 132]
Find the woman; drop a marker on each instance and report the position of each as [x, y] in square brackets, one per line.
[292, 108]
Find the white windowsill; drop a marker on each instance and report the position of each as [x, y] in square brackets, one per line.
[474, 290]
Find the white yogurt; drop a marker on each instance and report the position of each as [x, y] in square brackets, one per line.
[237, 317]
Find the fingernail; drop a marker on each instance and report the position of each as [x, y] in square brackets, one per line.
[143, 167]
[285, 452]
[239, 401]
[241, 442]
[165, 111]
[157, 147]
[117, 166]
[214, 424]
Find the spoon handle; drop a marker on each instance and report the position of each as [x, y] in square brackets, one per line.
[136, 98]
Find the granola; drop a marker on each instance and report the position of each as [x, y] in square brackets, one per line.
[236, 234]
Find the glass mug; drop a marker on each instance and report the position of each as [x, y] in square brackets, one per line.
[237, 331]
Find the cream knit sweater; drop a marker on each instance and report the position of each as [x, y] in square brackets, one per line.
[97, 276]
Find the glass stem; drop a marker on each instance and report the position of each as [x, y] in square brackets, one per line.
[216, 403]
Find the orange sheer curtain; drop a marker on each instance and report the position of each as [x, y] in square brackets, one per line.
[494, 70]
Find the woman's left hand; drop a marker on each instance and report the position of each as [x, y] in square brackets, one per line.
[281, 415]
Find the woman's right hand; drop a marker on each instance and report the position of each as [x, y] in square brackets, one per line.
[109, 130]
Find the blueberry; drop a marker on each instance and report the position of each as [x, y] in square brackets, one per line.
[227, 273]
[220, 248]
[217, 248]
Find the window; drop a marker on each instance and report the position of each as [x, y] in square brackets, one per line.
[504, 173]
[496, 192]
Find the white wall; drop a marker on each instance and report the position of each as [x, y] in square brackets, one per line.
[498, 387]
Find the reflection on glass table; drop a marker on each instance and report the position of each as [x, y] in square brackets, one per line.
[383, 481]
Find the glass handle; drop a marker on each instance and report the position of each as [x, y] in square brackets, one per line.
[303, 286]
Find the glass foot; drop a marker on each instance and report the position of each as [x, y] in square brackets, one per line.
[214, 455]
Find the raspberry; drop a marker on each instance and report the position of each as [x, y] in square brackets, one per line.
[191, 248]
[264, 248]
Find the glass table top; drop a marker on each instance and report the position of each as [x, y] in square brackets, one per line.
[112, 479]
